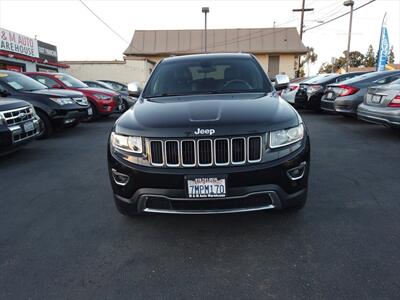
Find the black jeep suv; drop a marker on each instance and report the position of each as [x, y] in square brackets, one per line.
[55, 108]
[209, 134]
[18, 124]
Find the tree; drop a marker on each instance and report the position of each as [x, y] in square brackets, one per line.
[310, 57]
[356, 59]
[369, 59]
[391, 56]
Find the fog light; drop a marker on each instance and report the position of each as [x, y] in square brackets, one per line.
[119, 178]
[69, 121]
[297, 172]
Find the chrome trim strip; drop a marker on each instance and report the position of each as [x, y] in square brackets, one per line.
[195, 154]
[215, 152]
[208, 212]
[244, 149]
[272, 194]
[248, 149]
[179, 157]
[302, 165]
[198, 153]
[116, 173]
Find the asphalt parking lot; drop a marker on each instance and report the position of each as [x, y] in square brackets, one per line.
[61, 237]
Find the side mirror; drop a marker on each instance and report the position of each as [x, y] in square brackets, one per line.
[134, 89]
[281, 82]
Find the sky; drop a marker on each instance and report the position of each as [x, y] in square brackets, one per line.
[79, 35]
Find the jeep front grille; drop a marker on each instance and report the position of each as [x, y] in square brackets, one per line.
[205, 152]
[19, 115]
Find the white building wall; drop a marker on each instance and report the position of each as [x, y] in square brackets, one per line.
[121, 71]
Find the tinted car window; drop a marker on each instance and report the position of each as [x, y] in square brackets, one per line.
[368, 77]
[21, 82]
[50, 83]
[207, 75]
[388, 79]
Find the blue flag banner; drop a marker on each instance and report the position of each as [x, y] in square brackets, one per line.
[384, 49]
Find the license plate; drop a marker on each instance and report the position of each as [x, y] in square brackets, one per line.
[90, 111]
[376, 98]
[119, 107]
[206, 187]
[329, 96]
[28, 126]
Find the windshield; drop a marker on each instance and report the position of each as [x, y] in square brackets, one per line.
[21, 82]
[70, 81]
[205, 75]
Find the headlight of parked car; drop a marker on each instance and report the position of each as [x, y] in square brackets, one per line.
[281, 138]
[133, 144]
[63, 101]
[102, 96]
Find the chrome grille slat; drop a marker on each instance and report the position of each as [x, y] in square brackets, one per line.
[205, 152]
[156, 153]
[254, 148]
[238, 151]
[18, 116]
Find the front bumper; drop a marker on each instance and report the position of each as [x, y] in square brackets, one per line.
[248, 188]
[14, 136]
[379, 115]
[62, 117]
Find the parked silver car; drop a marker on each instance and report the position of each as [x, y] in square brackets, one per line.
[345, 96]
[382, 105]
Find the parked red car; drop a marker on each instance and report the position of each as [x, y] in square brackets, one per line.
[103, 102]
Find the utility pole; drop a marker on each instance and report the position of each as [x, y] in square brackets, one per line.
[205, 10]
[302, 10]
[351, 4]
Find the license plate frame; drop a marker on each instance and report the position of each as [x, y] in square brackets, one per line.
[28, 126]
[376, 99]
[209, 186]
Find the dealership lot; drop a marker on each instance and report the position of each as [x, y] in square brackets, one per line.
[60, 235]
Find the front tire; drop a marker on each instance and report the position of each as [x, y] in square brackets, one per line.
[46, 127]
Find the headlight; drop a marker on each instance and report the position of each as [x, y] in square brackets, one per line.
[281, 138]
[132, 144]
[63, 101]
[102, 96]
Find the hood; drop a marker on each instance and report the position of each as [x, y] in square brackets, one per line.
[229, 114]
[11, 103]
[58, 93]
[99, 90]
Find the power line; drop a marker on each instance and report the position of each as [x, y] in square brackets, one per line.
[102, 21]
[338, 17]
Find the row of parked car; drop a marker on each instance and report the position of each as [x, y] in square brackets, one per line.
[372, 97]
[34, 104]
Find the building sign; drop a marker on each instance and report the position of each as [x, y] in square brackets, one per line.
[47, 51]
[18, 43]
